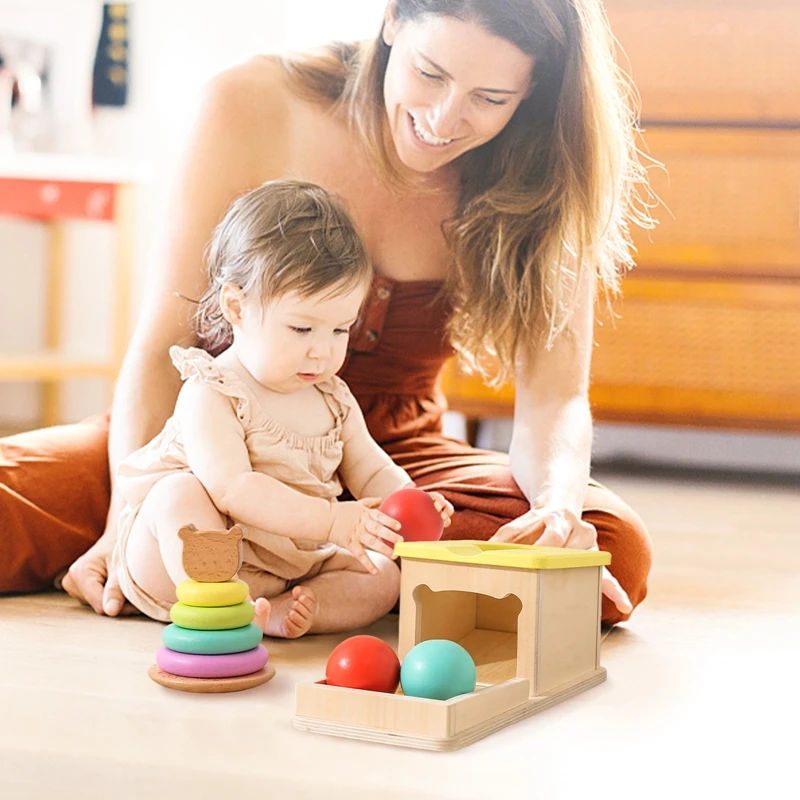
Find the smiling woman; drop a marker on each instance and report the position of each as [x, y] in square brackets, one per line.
[485, 153]
[437, 114]
[520, 104]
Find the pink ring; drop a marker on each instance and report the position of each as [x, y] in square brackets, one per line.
[191, 665]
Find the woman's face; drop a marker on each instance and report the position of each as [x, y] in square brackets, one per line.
[450, 86]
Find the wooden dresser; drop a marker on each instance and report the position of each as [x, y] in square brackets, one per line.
[707, 332]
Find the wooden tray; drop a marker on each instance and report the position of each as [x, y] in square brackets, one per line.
[425, 724]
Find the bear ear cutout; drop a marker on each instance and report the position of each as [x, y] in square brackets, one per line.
[236, 533]
[186, 531]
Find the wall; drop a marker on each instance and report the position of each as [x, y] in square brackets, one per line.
[176, 47]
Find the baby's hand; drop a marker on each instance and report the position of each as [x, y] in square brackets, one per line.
[444, 507]
[358, 524]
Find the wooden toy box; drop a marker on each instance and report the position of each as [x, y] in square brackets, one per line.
[529, 617]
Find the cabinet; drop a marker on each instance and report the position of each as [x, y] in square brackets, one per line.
[53, 189]
[707, 332]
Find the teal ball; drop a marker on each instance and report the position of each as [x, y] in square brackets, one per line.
[437, 669]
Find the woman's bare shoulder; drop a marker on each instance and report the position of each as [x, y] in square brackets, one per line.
[253, 92]
[256, 97]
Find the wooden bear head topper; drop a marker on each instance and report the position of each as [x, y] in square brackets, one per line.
[210, 556]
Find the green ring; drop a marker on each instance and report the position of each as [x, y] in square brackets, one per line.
[211, 643]
[212, 619]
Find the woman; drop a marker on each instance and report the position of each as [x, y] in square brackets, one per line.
[485, 152]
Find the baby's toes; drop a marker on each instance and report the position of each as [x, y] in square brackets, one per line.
[305, 601]
[301, 613]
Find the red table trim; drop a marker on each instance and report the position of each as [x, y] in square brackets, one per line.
[56, 199]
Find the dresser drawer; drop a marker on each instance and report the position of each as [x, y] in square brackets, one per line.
[712, 60]
[684, 352]
[701, 352]
[732, 202]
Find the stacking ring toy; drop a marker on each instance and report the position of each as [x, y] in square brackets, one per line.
[196, 593]
[236, 640]
[212, 619]
[189, 665]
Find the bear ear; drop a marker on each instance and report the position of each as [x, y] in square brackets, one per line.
[237, 532]
[186, 531]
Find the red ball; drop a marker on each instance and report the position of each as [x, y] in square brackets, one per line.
[364, 662]
[415, 511]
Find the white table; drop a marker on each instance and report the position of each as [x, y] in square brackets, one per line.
[54, 188]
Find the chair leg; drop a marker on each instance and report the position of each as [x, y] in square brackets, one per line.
[473, 425]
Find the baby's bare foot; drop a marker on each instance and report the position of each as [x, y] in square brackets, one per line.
[300, 609]
[263, 610]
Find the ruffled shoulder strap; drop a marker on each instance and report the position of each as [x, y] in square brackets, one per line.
[338, 397]
[197, 364]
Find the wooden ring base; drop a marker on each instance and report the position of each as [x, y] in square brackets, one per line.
[211, 685]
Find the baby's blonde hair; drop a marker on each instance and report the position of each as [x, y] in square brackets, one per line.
[285, 236]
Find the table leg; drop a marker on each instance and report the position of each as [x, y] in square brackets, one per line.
[123, 260]
[54, 321]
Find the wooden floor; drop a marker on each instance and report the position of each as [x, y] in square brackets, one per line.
[702, 698]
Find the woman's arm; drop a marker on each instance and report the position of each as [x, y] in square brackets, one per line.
[235, 144]
[552, 437]
[551, 444]
[551, 441]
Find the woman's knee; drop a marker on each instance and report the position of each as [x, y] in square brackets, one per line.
[54, 493]
[623, 534]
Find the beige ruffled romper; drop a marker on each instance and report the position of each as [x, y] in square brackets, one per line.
[271, 563]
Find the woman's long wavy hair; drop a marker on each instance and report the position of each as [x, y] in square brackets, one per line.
[546, 204]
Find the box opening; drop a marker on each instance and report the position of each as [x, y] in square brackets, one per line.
[486, 627]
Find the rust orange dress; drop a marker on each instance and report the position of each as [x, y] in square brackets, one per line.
[54, 483]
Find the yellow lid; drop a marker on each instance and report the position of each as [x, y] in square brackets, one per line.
[497, 554]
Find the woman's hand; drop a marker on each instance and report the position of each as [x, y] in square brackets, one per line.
[358, 524]
[548, 528]
[92, 580]
[561, 528]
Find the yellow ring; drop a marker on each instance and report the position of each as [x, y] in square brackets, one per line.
[212, 619]
[227, 593]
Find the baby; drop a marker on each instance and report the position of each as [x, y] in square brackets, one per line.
[262, 434]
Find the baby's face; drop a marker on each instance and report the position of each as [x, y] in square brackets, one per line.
[295, 342]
